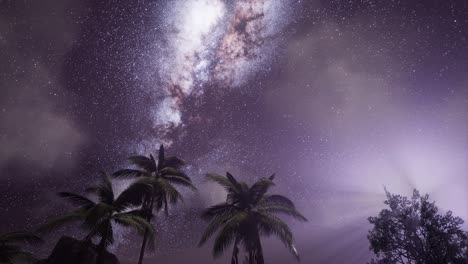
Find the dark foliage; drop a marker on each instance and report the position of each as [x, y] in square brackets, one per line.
[97, 217]
[412, 230]
[160, 176]
[11, 251]
[247, 214]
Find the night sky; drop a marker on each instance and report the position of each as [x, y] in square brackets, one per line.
[338, 98]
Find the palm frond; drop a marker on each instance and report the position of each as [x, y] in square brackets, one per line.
[173, 195]
[160, 202]
[272, 177]
[132, 219]
[97, 215]
[276, 199]
[163, 198]
[217, 216]
[161, 157]
[223, 181]
[106, 232]
[165, 189]
[102, 230]
[17, 256]
[61, 221]
[233, 181]
[247, 213]
[7, 252]
[172, 171]
[272, 225]
[218, 209]
[93, 189]
[145, 163]
[135, 194]
[180, 180]
[229, 232]
[105, 191]
[137, 212]
[76, 199]
[259, 188]
[282, 209]
[129, 173]
[173, 162]
[21, 237]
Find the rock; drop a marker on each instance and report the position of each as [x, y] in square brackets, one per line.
[72, 251]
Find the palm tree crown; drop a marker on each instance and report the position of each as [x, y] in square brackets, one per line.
[247, 213]
[161, 175]
[97, 217]
[10, 251]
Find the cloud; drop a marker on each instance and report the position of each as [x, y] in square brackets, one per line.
[370, 129]
[35, 126]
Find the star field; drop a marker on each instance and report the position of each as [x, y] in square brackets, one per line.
[338, 98]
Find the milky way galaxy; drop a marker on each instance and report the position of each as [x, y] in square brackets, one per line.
[213, 43]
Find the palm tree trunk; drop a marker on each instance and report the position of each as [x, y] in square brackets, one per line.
[259, 251]
[254, 247]
[101, 249]
[251, 257]
[235, 252]
[143, 246]
[102, 246]
[148, 208]
[255, 250]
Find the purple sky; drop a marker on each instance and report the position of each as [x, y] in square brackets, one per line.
[338, 98]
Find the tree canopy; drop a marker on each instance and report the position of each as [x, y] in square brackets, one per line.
[249, 211]
[11, 251]
[97, 217]
[412, 230]
[161, 175]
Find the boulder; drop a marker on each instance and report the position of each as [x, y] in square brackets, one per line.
[72, 251]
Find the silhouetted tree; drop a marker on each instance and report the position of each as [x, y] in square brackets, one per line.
[413, 231]
[97, 217]
[248, 213]
[11, 252]
[162, 175]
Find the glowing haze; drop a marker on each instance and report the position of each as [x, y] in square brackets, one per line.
[338, 98]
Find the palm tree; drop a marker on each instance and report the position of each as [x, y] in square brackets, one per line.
[162, 175]
[97, 217]
[247, 213]
[11, 252]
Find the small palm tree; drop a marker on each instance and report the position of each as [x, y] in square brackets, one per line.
[247, 213]
[162, 175]
[10, 251]
[97, 217]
